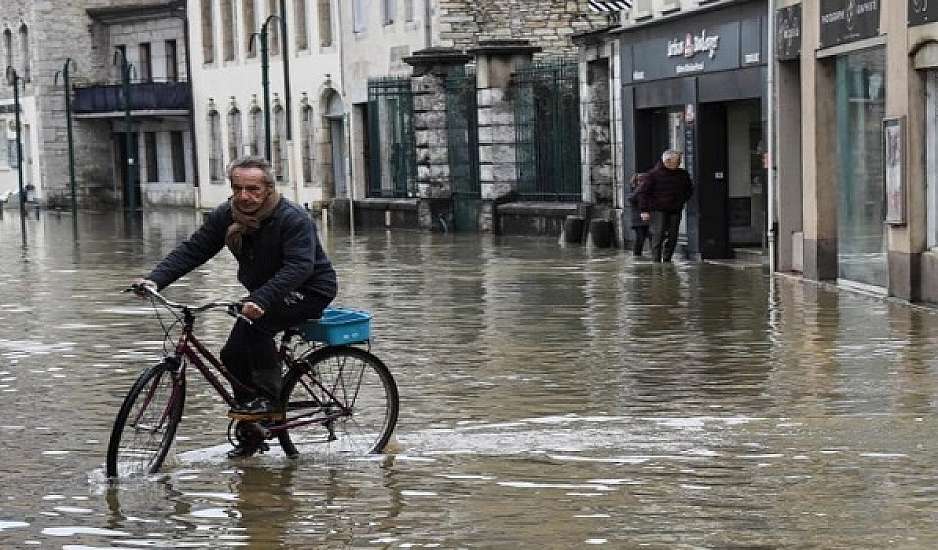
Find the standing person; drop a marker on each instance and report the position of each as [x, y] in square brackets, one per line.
[280, 262]
[639, 226]
[667, 187]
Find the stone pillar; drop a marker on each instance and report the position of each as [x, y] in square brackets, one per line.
[431, 66]
[496, 60]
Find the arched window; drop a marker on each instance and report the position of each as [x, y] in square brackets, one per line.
[325, 23]
[208, 32]
[229, 31]
[307, 145]
[250, 26]
[235, 139]
[24, 50]
[257, 131]
[273, 29]
[216, 169]
[278, 145]
[8, 48]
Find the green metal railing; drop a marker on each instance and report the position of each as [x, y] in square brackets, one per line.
[462, 123]
[547, 125]
[393, 171]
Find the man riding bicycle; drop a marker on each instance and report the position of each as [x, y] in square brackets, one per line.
[281, 263]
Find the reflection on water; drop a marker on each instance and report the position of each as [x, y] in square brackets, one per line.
[553, 397]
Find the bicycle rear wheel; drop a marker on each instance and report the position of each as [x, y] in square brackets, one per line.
[350, 387]
[146, 423]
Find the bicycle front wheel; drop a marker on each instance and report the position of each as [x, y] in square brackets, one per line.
[146, 423]
[352, 397]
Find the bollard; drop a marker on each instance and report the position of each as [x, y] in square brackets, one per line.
[601, 233]
[572, 229]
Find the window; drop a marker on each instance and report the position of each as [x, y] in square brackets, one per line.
[8, 48]
[228, 31]
[273, 28]
[12, 158]
[119, 61]
[235, 139]
[24, 47]
[257, 132]
[299, 15]
[641, 9]
[307, 144]
[358, 15]
[215, 160]
[409, 10]
[149, 144]
[179, 156]
[278, 143]
[208, 32]
[250, 26]
[172, 61]
[388, 10]
[325, 23]
[144, 67]
[668, 6]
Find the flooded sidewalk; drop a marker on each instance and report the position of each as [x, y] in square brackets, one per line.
[551, 397]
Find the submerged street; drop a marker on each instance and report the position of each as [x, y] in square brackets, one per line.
[550, 398]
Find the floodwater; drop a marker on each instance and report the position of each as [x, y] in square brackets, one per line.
[551, 398]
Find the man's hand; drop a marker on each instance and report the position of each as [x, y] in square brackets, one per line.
[646, 216]
[252, 311]
[143, 282]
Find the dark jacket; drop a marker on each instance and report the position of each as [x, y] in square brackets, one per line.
[665, 190]
[283, 255]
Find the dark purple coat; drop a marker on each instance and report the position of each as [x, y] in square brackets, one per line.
[665, 190]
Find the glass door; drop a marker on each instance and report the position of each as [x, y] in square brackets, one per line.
[861, 102]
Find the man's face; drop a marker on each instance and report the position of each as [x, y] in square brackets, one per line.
[249, 189]
[673, 162]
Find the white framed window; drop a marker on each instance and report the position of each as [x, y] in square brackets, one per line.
[389, 11]
[325, 23]
[358, 16]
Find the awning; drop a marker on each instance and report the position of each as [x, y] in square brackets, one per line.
[609, 6]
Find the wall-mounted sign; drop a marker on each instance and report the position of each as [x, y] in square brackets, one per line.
[894, 167]
[692, 44]
[845, 21]
[922, 12]
[788, 33]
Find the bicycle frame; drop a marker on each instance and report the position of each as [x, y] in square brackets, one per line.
[192, 349]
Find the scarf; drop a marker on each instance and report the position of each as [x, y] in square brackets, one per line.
[245, 224]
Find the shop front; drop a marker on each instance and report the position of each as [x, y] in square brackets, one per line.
[697, 84]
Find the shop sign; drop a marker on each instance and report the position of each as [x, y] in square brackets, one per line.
[922, 12]
[788, 33]
[710, 49]
[844, 21]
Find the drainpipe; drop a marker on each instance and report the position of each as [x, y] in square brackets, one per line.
[770, 138]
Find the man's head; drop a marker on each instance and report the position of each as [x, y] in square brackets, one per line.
[252, 181]
[671, 159]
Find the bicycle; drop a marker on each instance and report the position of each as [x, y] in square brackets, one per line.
[341, 393]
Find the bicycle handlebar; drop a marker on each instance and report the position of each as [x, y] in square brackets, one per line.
[231, 308]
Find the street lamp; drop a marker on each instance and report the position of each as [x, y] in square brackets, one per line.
[130, 164]
[14, 79]
[68, 126]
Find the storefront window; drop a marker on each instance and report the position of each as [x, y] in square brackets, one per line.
[861, 101]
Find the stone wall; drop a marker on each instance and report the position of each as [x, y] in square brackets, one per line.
[545, 23]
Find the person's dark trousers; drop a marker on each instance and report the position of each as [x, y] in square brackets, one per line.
[642, 233]
[251, 352]
[664, 231]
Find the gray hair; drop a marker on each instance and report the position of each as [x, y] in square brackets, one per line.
[253, 161]
[671, 153]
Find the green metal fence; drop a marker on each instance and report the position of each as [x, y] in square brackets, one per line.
[547, 122]
[462, 124]
[393, 171]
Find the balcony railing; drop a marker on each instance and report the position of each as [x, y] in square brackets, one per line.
[144, 96]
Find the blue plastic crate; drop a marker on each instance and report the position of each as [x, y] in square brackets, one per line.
[339, 326]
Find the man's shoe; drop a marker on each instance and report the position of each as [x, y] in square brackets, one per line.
[247, 450]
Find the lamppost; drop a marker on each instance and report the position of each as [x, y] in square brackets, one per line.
[265, 77]
[68, 127]
[14, 79]
[130, 164]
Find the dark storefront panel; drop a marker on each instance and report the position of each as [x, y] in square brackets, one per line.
[922, 12]
[844, 21]
[732, 85]
[664, 93]
[788, 33]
